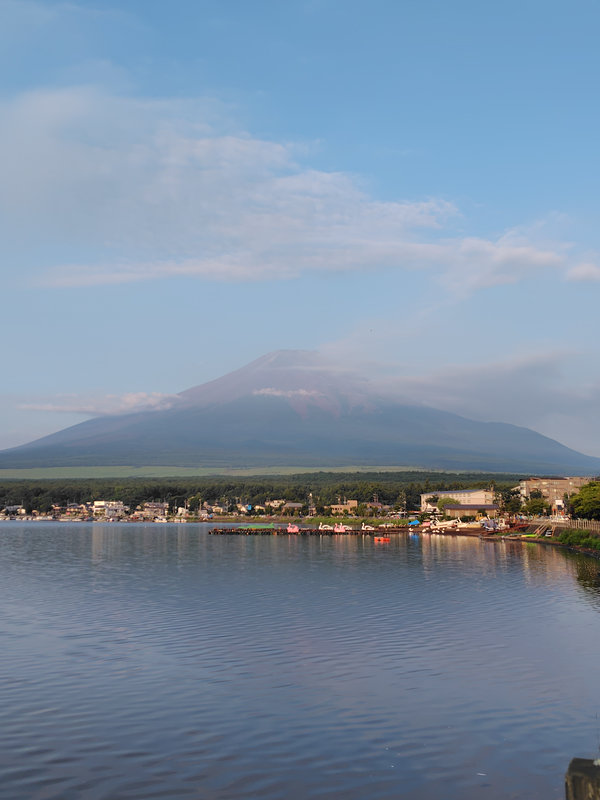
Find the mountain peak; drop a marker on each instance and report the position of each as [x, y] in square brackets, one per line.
[300, 376]
[286, 359]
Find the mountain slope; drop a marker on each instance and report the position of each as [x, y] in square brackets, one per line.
[290, 408]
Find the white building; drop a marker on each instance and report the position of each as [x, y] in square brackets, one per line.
[109, 508]
[275, 503]
[467, 497]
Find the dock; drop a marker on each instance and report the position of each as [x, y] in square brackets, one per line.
[327, 531]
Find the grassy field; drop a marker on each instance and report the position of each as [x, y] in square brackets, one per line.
[54, 473]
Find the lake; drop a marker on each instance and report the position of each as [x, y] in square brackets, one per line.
[156, 661]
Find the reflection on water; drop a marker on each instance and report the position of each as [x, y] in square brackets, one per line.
[158, 661]
[588, 574]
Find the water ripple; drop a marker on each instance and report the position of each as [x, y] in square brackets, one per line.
[151, 661]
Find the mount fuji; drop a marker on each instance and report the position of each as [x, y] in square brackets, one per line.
[291, 408]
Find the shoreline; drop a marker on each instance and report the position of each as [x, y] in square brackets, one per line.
[498, 537]
[255, 529]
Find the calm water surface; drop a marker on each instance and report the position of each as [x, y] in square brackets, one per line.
[157, 661]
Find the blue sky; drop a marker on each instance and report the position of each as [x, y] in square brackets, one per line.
[410, 188]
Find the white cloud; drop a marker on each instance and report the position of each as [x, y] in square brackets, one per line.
[587, 271]
[95, 406]
[478, 263]
[149, 189]
[270, 392]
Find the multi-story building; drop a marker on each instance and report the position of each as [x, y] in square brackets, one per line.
[469, 497]
[109, 508]
[553, 490]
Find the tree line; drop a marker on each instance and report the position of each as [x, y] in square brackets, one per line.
[389, 488]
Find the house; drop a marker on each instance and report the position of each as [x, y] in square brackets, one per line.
[275, 503]
[292, 508]
[77, 510]
[109, 508]
[347, 507]
[378, 509]
[13, 511]
[153, 511]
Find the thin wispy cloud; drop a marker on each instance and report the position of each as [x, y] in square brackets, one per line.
[586, 271]
[270, 392]
[156, 189]
[103, 405]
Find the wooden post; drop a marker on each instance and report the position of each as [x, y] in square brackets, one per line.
[582, 781]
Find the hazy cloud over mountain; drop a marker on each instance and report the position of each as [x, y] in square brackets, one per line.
[99, 406]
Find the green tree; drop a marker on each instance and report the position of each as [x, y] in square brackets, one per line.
[446, 501]
[586, 503]
[536, 506]
[194, 502]
[400, 501]
[509, 500]
[513, 505]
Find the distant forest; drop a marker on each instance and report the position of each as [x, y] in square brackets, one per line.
[390, 488]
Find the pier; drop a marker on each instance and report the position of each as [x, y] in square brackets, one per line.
[294, 530]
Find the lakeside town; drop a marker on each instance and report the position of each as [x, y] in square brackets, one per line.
[532, 497]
